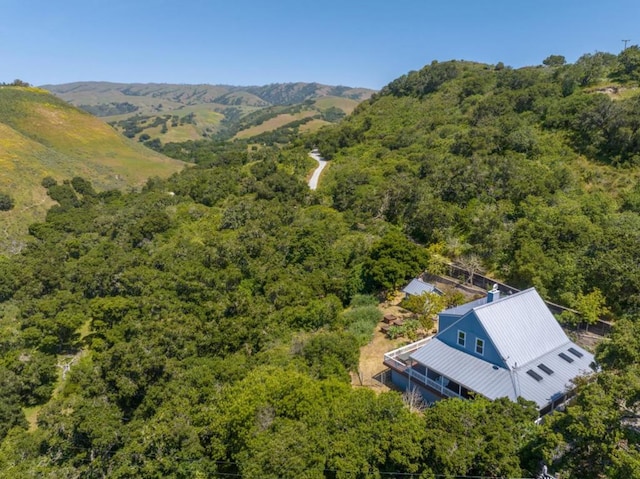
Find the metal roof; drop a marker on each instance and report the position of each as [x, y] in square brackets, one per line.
[494, 382]
[526, 335]
[467, 370]
[417, 287]
[521, 327]
[557, 383]
[465, 308]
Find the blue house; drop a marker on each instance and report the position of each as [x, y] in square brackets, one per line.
[494, 347]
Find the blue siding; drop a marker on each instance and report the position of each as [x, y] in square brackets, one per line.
[473, 330]
[446, 320]
[401, 382]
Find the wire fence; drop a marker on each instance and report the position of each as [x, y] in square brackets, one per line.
[462, 277]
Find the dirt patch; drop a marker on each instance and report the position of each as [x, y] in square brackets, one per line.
[586, 339]
[371, 365]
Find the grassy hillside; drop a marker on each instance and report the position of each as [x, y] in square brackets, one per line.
[151, 95]
[279, 124]
[173, 113]
[273, 123]
[345, 104]
[41, 135]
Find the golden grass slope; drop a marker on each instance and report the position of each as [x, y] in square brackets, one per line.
[273, 124]
[345, 104]
[40, 136]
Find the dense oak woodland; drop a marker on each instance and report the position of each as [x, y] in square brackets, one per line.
[205, 326]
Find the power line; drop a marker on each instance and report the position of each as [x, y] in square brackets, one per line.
[625, 43]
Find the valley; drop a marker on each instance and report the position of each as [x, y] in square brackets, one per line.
[175, 113]
[216, 310]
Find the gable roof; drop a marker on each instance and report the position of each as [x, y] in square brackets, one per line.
[417, 287]
[538, 362]
[521, 327]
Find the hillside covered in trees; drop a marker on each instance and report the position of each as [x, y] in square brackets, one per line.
[206, 325]
[533, 173]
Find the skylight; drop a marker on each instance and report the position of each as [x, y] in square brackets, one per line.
[575, 352]
[546, 369]
[534, 375]
[566, 358]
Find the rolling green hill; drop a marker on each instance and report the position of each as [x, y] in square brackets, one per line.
[41, 135]
[173, 113]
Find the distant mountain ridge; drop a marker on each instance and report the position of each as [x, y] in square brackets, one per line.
[175, 112]
[79, 93]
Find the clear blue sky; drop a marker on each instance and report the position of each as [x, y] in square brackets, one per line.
[255, 42]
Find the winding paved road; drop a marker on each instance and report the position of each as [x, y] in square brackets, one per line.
[313, 182]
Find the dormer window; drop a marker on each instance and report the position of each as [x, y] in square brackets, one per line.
[462, 338]
[480, 347]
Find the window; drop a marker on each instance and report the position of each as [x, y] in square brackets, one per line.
[576, 353]
[534, 375]
[480, 346]
[462, 337]
[546, 369]
[566, 358]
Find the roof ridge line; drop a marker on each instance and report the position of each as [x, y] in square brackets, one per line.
[505, 298]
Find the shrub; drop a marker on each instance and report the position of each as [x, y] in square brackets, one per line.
[48, 182]
[341, 346]
[361, 322]
[6, 202]
[360, 300]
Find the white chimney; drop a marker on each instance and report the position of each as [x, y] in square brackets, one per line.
[494, 294]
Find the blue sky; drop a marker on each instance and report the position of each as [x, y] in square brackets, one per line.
[251, 42]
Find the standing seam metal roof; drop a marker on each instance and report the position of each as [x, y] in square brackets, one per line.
[471, 372]
[418, 287]
[494, 382]
[521, 327]
[525, 334]
[464, 308]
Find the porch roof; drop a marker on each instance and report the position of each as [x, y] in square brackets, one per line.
[494, 382]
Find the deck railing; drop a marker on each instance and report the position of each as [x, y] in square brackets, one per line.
[435, 385]
[409, 348]
[394, 363]
[402, 367]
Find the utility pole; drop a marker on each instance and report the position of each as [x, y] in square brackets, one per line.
[625, 44]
